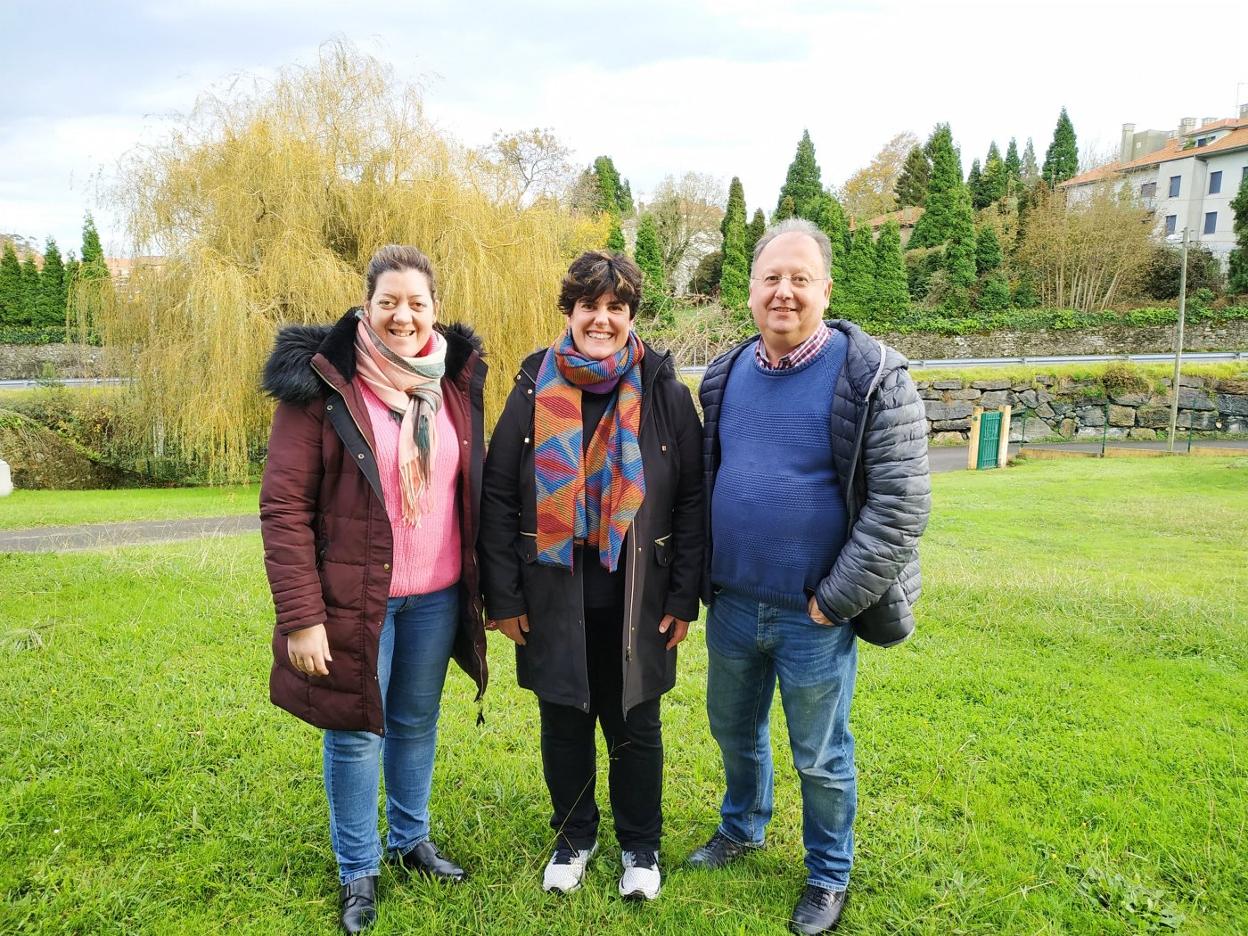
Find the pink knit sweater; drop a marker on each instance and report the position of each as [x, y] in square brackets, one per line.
[426, 557]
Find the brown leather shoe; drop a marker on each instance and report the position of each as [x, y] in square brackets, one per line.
[359, 904]
[427, 860]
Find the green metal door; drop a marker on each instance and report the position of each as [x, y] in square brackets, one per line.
[989, 439]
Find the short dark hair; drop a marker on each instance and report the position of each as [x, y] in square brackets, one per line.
[594, 274]
[396, 258]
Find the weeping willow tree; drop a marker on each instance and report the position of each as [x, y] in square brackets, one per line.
[262, 209]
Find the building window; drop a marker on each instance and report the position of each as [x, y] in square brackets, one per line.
[1203, 141]
[1148, 190]
[1211, 221]
[1171, 221]
[1215, 182]
[1174, 186]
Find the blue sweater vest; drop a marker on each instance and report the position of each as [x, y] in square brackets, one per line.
[777, 510]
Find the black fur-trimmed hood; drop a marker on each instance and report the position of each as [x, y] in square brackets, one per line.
[288, 375]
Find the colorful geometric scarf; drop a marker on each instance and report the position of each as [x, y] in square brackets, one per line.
[592, 498]
[413, 387]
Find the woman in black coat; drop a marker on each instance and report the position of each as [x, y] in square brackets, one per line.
[591, 550]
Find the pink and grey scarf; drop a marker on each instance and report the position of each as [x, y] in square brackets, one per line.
[412, 387]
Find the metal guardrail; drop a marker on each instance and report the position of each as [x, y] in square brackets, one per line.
[68, 382]
[916, 363]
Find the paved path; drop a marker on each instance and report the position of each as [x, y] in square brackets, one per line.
[102, 535]
[98, 535]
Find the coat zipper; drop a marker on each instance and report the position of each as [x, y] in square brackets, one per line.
[358, 427]
[635, 554]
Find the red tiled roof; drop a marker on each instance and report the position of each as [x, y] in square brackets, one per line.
[1172, 150]
[905, 217]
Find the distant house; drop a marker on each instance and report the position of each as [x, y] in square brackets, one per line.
[1186, 178]
[906, 218]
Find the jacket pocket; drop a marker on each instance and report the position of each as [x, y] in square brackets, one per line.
[526, 547]
[663, 550]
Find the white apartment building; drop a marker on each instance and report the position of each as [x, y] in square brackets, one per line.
[1188, 180]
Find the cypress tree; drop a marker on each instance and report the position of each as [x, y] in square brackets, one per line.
[960, 251]
[946, 181]
[975, 182]
[93, 265]
[29, 286]
[892, 293]
[1013, 167]
[802, 183]
[786, 209]
[625, 200]
[916, 173]
[736, 205]
[859, 291]
[994, 293]
[734, 278]
[1061, 161]
[758, 224]
[10, 287]
[655, 296]
[52, 287]
[608, 188]
[1237, 272]
[987, 250]
[832, 221]
[993, 182]
[615, 237]
[1030, 171]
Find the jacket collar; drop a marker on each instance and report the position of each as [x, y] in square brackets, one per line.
[866, 358]
[288, 374]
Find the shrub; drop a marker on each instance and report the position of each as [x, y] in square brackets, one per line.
[1123, 377]
[1160, 279]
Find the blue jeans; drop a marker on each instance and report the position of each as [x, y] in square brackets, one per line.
[752, 645]
[416, 639]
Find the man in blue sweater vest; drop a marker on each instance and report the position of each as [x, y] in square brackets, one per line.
[815, 453]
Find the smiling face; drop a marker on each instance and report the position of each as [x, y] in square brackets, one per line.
[599, 326]
[402, 311]
[787, 315]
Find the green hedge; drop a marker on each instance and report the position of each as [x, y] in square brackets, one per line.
[923, 321]
[42, 334]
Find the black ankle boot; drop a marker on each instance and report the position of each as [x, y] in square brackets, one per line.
[358, 900]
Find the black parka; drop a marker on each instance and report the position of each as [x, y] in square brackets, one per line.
[662, 551]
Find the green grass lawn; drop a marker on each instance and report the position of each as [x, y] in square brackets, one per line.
[1059, 749]
[62, 508]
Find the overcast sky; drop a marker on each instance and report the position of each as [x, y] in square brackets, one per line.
[718, 86]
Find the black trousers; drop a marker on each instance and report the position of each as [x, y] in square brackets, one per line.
[635, 747]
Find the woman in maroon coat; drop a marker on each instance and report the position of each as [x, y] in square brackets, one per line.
[368, 511]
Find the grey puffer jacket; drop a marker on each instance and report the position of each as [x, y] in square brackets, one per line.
[879, 443]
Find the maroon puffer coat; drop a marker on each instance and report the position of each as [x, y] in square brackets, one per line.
[327, 539]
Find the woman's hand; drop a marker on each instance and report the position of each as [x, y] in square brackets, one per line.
[514, 627]
[678, 628]
[308, 650]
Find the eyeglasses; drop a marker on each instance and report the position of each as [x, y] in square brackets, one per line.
[797, 280]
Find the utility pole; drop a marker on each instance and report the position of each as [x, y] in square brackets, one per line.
[1178, 348]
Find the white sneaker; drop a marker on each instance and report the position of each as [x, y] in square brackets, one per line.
[641, 878]
[566, 868]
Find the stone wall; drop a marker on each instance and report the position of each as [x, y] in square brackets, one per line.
[1083, 409]
[29, 362]
[1109, 339]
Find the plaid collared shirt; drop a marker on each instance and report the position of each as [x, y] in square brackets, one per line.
[799, 355]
